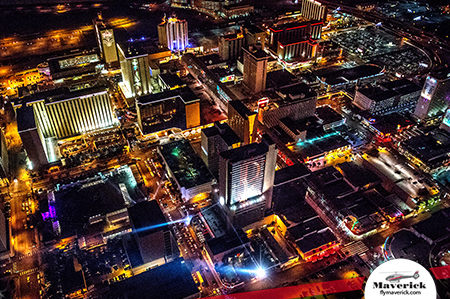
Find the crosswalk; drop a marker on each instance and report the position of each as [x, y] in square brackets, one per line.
[354, 248]
[29, 271]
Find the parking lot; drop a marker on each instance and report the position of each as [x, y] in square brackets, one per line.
[374, 45]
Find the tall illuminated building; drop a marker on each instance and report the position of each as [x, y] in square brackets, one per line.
[135, 72]
[435, 96]
[255, 68]
[246, 176]
[44, 118]
[230, 46]
[173, 33]
[242, 121]
[314, 10]
[105, 41]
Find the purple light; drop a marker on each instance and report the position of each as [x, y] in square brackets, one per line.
[52, 211]
[45, 215]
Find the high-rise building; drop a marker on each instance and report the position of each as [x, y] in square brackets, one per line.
[177, 108]
[135, 73]
[435, 96]
[105, 41]
[254, 35]
[215, 140]
[242, 121]
[246, 176]
[31, 137]
[255, 68]
[173, 33]
[4, 157]
[46, 117]
[230, 46]
[293, 32]
[314, 10]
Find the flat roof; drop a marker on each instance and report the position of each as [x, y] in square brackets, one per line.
[328, 115]
[300, 90]
[306, 227]
[299, 126]
[212, 59]
[75, 203]
[350, 74]
[171, 280]
[405, 244]
[357, 175]
[377, 93]
[171, 80]
[185, 94]
[253, 28]
[292, 205]
[441, 74]
[431, 148]
[257, 53]
[244, 152]
[147, 218]
[292, 25]
[232, 239]
[280, 78]
[436, 227]
[188, 168]
[241, 108]
[224, 131]
[290, 173]
[388, 123]
[25, 118]
[313, 241]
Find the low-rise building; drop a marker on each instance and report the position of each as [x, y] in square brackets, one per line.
[187, 169]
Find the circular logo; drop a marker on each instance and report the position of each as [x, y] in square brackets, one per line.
[400, 278]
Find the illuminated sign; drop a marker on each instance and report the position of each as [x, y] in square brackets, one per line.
[263, 102]
[108, 38]
[429, 88]
[446, 120]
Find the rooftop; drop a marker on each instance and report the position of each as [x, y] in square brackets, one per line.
[171, 80]
[188, 168]
[292, 205]
[387, 124]
[211, 59]
[430, 149]
[344, 75]
[378, 94]
[75, 203]
[256, 52]
[60, 94]
[441, 74]
[289, 26]
[241, 108]
[436, 227]
[299, 91]
[290, 173]
[147, 218]
[232, 239]
[244, 152]
[357, 175]
[313, 241]
[280, 78]
[185, 94]
[171, 280]
[224, 130]
[306, 227]
[327, 115]
[25, 118]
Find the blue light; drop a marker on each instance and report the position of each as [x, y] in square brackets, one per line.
[142, 38]
[131, 40]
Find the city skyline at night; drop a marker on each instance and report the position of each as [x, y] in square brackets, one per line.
[222, 149]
